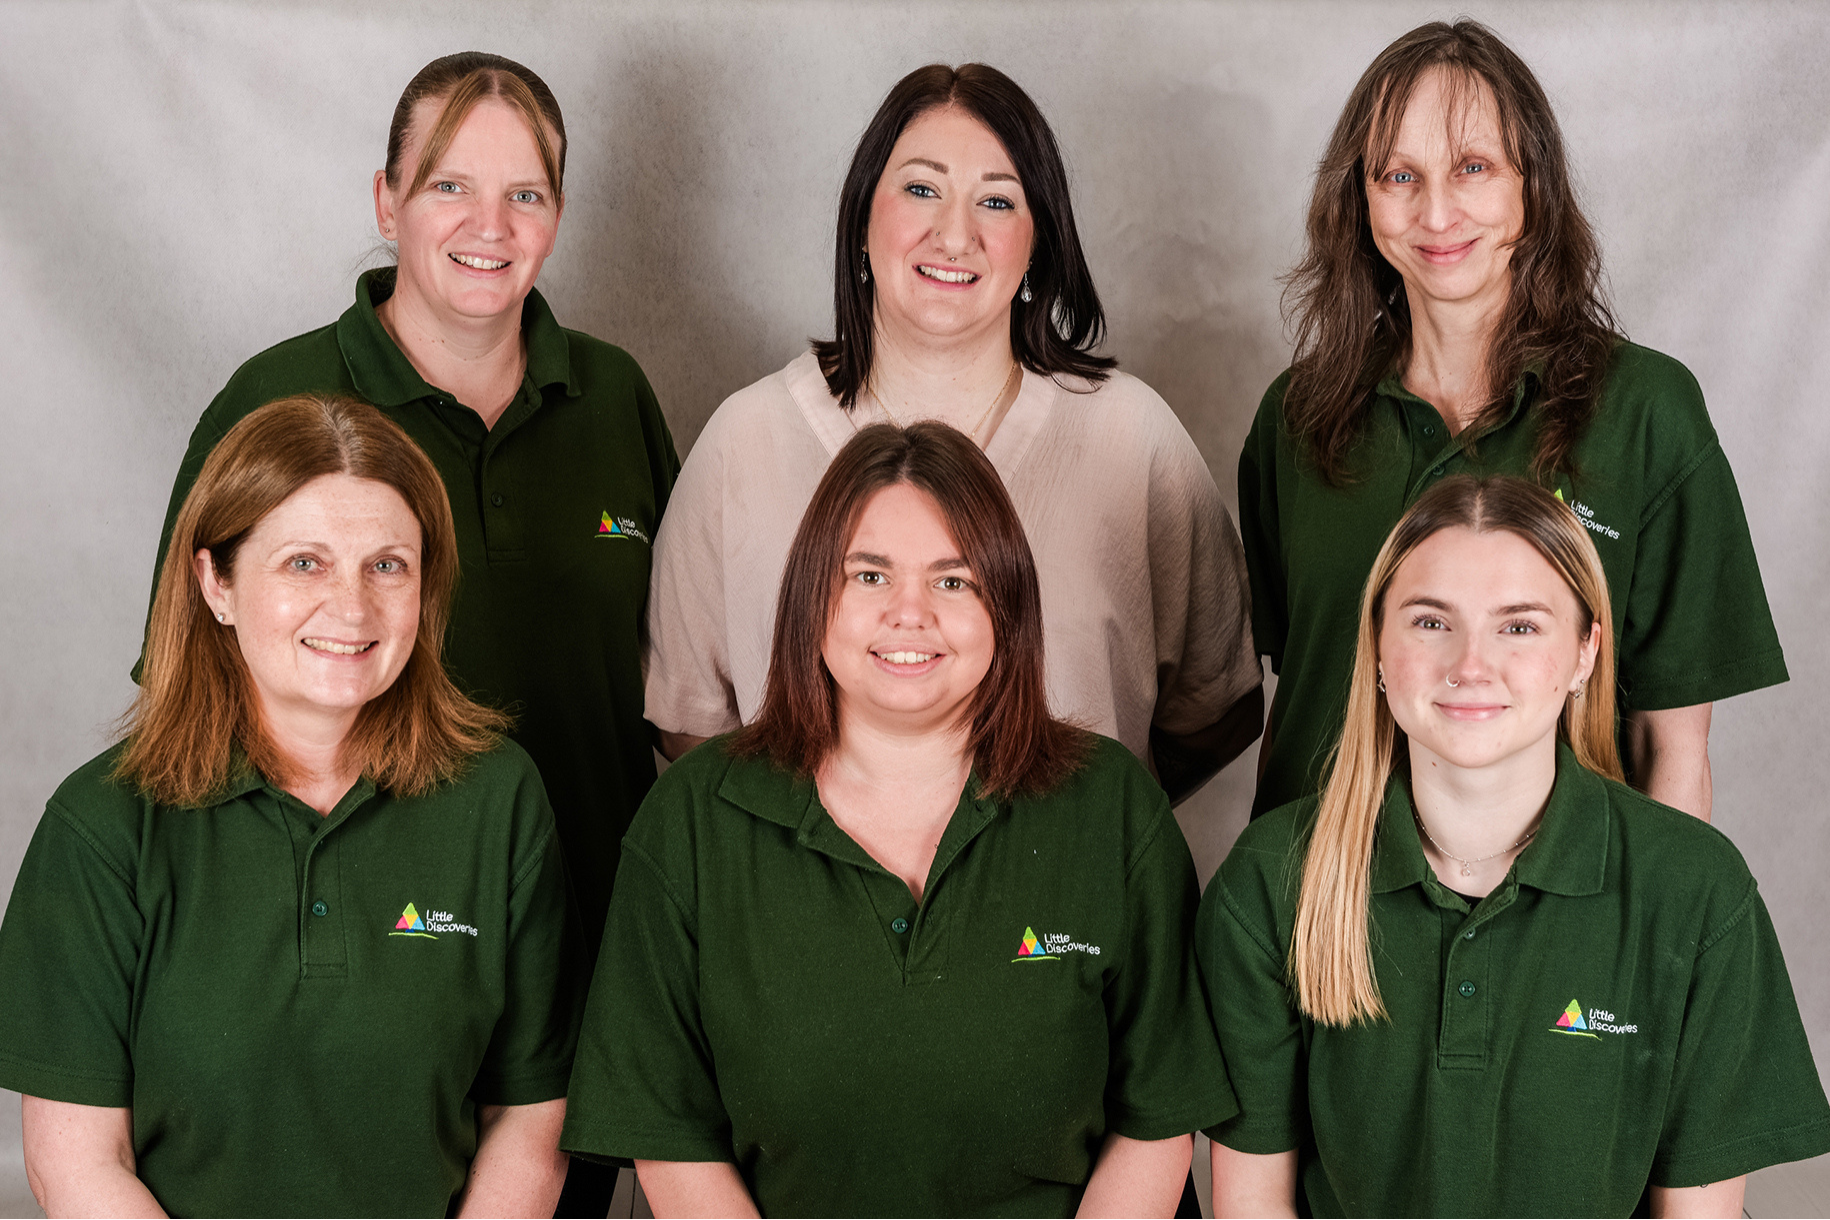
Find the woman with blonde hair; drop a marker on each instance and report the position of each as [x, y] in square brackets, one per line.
[301, 943]
[1479, 974]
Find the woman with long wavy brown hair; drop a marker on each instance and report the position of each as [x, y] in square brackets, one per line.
[301, 943]
[1449, 317]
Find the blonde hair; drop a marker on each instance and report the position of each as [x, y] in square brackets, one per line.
[463, 80]
[197, 699]
[1331, 951]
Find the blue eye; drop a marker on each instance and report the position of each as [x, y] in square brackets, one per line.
[1404, 177]
[922, 190]
[1474, 167]
[525, 197]
[1000, 204]
[448, 188]
[388, 567]
[301, 563]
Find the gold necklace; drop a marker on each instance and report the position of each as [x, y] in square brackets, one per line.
[1467, 866]
[983, 416]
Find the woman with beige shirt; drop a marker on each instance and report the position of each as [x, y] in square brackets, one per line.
[961, 295]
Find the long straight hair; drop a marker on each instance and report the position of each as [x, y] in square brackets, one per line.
[1331, 951]
[1347, 304]
[1016, 746]
[1055, 332]
[197, 701]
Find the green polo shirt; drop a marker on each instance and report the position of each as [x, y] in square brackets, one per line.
[1616, 1014]
[555, 507]
[770, 995]
[1652, 485]
[303, 1012]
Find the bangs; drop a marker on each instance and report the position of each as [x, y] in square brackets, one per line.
[1463, 92]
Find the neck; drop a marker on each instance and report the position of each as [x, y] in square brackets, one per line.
[313, 744]
[1446, 365]
[1477, 812]
[965, 382]
[479, 360]
[880, 757]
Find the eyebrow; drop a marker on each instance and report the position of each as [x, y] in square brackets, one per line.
[937, 167]
[1437, 603]
[1527, 608]
[1433, 602]
[884, 561]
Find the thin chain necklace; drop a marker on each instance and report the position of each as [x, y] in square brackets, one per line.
[1467, 866]
[983, 416]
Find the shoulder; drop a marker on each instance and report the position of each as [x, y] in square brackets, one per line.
[1657, 400]
[1258, 881]
[1122, 417]
[763, 406]
[109, 814]
[603, 367]
[1701, 875]
[687, 796]
[304, 363]
[1268, 430]
[1111, 798]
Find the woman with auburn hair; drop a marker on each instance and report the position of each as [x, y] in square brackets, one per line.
[301, 943]
[1480, 975]
[550, 444]
[1449, 317]
[961, 294]
[906, 944]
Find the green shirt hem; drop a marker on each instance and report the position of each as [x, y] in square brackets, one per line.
[63, 1084]
[1723, 682]
[1744, 1155]
[614, 1141]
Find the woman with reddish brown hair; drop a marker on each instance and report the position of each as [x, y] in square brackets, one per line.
[1450, 318]
[905, 944]
[301, 943]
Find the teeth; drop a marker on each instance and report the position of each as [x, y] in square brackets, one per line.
[344, 650]
[906, 658]
[481, 264]
[945, 276]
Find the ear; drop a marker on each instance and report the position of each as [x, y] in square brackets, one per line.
[384, 205]
[1585, 657]
[215, 592]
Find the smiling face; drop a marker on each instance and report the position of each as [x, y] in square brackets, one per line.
[950, 230]
[473, 238]
[1449, 203]
[909, 640]
[324, 602]
[1487, 612]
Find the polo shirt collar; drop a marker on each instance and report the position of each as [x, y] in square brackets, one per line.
[1568, 856]
[244, 779]
[1392, 386]
[386, 378]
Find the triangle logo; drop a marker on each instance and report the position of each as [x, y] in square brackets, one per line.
[1571, 1022]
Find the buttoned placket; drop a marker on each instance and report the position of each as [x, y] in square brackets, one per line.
[317, 865]
[1468, 996]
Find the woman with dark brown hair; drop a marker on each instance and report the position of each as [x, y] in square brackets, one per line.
[301, 943]
[1449, 317]
[906, 944]
[961, 294]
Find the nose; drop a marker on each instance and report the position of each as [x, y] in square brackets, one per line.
[1439, 210]
[347, 599]
[955, 229]
[1471, 666]
[491, 218]
[911, 605]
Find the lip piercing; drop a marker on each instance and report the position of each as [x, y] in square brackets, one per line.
[1453, 682]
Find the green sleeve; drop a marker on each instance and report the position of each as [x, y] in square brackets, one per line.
[1261, 1033]
[1744, 1093]
[644, 1085]
[1258, 526]
[69, 948]
[530, 1051]
[1697, 626]
[1166, 1077]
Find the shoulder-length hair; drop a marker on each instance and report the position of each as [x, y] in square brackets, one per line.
[1330, 953]
[1054, 333]
[461, 81]
[1347, 304]
[1016, 746]
[197, 701]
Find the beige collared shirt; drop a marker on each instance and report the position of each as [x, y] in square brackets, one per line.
[1144, 594]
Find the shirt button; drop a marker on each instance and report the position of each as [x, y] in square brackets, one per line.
[319, 908]
[1466, 988]
[1429, 429]
[899, 925]
[1468, 935]
[496, 499]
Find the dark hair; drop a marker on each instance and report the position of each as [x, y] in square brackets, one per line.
[1352, 320]
[463, 80]
[197, 699]
[1017, 747]
[1055, 332]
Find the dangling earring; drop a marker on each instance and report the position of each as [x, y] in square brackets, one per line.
[1026, 296]
[864, 266]
[1381, 679]
[1577, 693]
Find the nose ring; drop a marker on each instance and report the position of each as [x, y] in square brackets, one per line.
[1453, 682]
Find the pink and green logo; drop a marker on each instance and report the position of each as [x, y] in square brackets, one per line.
[1030, 949]
[410, 924]
[1571, 1022]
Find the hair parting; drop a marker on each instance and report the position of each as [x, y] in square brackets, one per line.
[460, 81]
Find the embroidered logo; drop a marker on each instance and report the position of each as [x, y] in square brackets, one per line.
[1031, 949]
[620, 527]
[1574, 1023]
[1586, 515]
[411, 923]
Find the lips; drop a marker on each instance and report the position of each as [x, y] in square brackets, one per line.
[336, 647]
[1445, 255]
[946, 275]
[476, 262]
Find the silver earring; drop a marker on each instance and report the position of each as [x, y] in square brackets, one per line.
[1026, 296]
[1382, 679]
[1452, 682]
[1577, 693]
[864, 266]
[221, 617]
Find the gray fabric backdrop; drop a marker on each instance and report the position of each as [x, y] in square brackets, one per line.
[186, 184]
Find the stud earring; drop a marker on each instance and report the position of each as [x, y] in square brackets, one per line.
[1577, 693]
[221, 617]
[864, 266]
[1382, 679]
[1026, 296]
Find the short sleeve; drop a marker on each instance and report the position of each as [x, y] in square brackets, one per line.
[1259, 530]
[69, 947]
[686, 665]
[1261, 1035]
[644, 1085]
[1745, 1092]
[1205, 658]
[1166, 1077]
[530, 1051]
[1697, 626]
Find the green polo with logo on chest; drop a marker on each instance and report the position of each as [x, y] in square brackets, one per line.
[1651, 485]
[555, 508]
[769, 995]
[1616, 1014]
[302, 1012]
